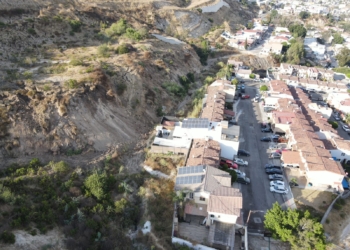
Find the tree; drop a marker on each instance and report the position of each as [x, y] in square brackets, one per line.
[252, 76]
[117, 28]
[296, 52]
[264, 88]
[225, 70]
[250, 25]
[343, 57]
[96, 184]
[337, 39]
[304, 14]
[246, 44]
[234, 82]
[296, 227]
[297, 30]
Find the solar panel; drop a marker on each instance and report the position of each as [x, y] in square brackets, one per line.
[195, 123]
[189, 179]
[190, 170]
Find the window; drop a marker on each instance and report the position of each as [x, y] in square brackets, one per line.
[201, 198]
[342, 154]
[191, 195]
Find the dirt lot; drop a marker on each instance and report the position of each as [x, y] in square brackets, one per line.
[319, 200]
[336, 226]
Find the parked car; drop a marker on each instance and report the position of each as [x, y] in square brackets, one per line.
[271, 166]
[346, 128]
[243, 152]
[266, 139]
[276, 177]
[278, 146]
[275, 189]
[240, 162]
[336, 117]
[243, 86]
[279, 151]
[266, 130]
[229, 164]
[273, 171]
[243, 180]
[245, 96]
[275, 156]
[240, 173]
[277, 183]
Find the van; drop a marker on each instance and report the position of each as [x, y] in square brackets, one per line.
[290, 165]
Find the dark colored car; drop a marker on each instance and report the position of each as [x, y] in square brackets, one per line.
[243, 180]
[271, 166]
[273, 171]
[266, 130]
[276, 177]
[266, 139]
[242, 152]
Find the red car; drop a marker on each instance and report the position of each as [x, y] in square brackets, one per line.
[279, 151]
[229, 164]
[245, 96]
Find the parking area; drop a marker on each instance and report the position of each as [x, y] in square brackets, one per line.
[257, 195]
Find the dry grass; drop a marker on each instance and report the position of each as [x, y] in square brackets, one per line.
[164, 163]
[337, 221]
[319, 200]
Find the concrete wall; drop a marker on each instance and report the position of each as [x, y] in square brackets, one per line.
[226, 218]
[324, 178]
[189, 244]
[197, 195]
[337, 153]
[228, 149]
[165, 150]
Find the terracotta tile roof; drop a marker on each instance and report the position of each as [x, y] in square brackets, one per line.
[215, 103]
[204, 152]
[197, 209]
[346, 102]
[216, 178]
[290, 157]
[303, 80]
[332, 166]
[322, 152]
[317, 143]
[342, 144]
[225, 200]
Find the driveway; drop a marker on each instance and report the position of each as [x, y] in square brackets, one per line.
[257, 197]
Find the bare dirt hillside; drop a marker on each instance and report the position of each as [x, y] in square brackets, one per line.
[65, 88]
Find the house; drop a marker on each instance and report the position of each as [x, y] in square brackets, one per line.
[236, 64]
[243, 73]
[211, 202]
[286, 69]
[324, 111]
[274, 48]
[204, 152]
[341, 152]
[210, 189]
[281, 121]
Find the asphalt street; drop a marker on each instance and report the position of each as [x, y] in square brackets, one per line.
[257, 197]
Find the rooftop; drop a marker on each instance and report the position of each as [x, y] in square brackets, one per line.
[225, 200]
[204, 152]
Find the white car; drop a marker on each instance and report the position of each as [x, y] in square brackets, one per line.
[346, 128]
[240, 162]
[240, 173]
[276, 189]
[277, 183]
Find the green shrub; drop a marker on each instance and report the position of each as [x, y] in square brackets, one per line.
[117, 28]
[75, 25]
[174, 89]
[264, 88]
[252, 76]
[133, 34]
[96, 184]
[122, 49]
[71, 84]
[159, 111]
[210, 20]
[27, 75]
[8, 237]
[190, 77]
[199, 10]
[76, 62]
[103, 50]
[121, 87]
[31, 31]
[61, 167]
[334, 124]
[46, 87]
[234, 82]
[120, 205]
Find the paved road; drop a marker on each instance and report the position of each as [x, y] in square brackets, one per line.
[256, 196]
[341, 131]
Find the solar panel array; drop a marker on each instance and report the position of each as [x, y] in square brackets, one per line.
[189, 179]
[195, 123]
[190, 170]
